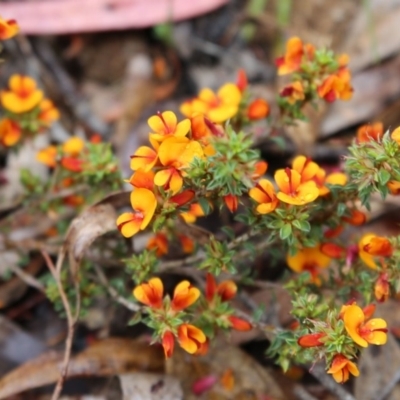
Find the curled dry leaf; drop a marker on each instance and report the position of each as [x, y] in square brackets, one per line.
[92, 223]
[107, 357]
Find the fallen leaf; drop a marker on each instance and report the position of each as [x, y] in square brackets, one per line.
[92, 223]
[106, 357]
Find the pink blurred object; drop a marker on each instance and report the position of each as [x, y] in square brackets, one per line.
[45, 17]
[203, 384]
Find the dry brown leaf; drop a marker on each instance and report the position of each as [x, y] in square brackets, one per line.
[251, 380]
[92, 223]
[107, 357]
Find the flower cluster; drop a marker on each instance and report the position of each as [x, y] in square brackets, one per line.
[27, 111]
[170, 318]
[340, 338]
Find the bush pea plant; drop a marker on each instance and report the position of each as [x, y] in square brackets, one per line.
[206, 162]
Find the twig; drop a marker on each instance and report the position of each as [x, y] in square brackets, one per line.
[113, 293]
[320, 374]
[27, 278]
[302, 393]
[71, 320]
[389, 387]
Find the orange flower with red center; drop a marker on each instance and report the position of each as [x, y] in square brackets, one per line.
[264, 194]
[8, 29]
[175, 153]
[23, 95]
[295, 53]
[335, 178]
[363, 330]
[310, 259]
[184, 296]
[336, 86]
[305, 167]
[293, 92]
[225, 290]
[159, 243]
[341, 368]
[366, 133]
[217, 107]
[48, 112]
[164, 125]
[144, 204]
[72, 148]
[292, 190]
[382, 288]
[186, 243]
[150, 293]
[257, 109]
[371, 246]
[191, 338]
[10, 132]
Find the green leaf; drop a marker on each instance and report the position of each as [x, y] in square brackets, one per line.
[137, 318]
[285, 231]
[383, 177]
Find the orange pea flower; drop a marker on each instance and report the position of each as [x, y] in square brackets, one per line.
[182, 198]
[72, 164]
[190, 338]
[362, 330]
[305, 167]
[175, 153]
[73, 146]
[48, 112]
[394, 187]
[8, 28]
[336, 86]
[311, 340]
[217, 107]
[186, 243]
[356, 218]
[225, 290]
[295, 51]
[158, 242]
[264, 194]
[48, 156]
[150, 293]
[257, 109]
[382, 288]
[168, 343]
[144, 204]
[10, 132]
[165, 125]
[371, 246]
[195, 211]
[260, 168]
[292, 191]
[395, 135]
[310, 259]
[293, 92]
[144, 158]
[142, 179]
[333, 250]
[239, 324]
[23, 95]
[232, 202]
[366, 133]
[341, 368]
[184, 296]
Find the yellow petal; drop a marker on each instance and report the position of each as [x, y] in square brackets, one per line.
[353, 317]
[128, 224]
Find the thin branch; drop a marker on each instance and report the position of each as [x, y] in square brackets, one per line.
[71, 320]
[27, 278]
[112, 291]
[318, 372]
